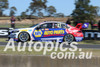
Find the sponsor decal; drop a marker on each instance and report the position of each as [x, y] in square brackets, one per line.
[47, 29]
[79, 38]
[29, 30]
[24, 30]
[4, 32]
[54, 32]
[91, 35]
[48, 32]
[37, 33]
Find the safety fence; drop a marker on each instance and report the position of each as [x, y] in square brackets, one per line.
[4, 32]
[91, 34]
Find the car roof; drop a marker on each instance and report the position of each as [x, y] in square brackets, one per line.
[51, 22]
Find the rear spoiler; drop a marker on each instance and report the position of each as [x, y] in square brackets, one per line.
[82, 26]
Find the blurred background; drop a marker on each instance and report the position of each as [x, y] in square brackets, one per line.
[30, 12]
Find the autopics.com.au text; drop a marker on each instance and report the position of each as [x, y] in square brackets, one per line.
[56, 50]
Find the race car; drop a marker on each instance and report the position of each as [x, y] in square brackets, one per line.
[49, 31]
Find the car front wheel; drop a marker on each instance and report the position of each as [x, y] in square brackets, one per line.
[23, 36]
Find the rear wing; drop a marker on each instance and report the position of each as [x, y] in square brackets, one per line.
[82, 26]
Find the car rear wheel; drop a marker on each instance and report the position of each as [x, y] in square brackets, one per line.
[69, 38]
[23, 36]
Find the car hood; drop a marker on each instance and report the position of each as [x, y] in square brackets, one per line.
[23, 29]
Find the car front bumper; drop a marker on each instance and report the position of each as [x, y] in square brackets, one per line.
[14, 36]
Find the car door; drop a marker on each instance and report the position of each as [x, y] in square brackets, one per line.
[42, 31]
[56, 32]
[53, 31]
[59, 31]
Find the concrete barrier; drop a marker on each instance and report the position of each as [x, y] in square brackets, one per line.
[45, 61]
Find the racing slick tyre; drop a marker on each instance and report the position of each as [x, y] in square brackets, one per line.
[68, 38]
[23, 37]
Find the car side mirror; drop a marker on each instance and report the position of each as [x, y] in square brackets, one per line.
[37, 28]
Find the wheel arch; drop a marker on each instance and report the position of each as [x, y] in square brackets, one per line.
[25, 32]
[70, 34]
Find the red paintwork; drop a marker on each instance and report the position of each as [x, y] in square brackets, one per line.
[79, 26]
[74, 31]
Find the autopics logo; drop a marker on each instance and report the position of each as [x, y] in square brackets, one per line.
[56, 50]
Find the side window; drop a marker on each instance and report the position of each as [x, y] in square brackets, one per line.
[63, 26]
[46, 25]
[67, 26]
[57, 25]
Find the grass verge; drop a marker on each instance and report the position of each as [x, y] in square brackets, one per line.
[16, 25]
[96, 52]
[90, 42]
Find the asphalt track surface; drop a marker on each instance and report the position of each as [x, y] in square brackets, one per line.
[86, 46]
